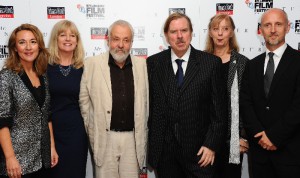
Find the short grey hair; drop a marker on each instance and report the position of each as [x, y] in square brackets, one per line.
[121, 23]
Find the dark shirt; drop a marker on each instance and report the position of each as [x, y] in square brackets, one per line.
[39, 92]
[225, 70]
[122, 85]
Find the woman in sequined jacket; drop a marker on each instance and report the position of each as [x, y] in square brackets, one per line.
[25, 132]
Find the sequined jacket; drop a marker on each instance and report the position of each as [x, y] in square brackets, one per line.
[27, 122]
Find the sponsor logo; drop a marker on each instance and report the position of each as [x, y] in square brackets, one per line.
[94, 11]
[258, 26]
[179, 10]
[3, 52]
[297, 26]
[6, 12]
[250, 4]
[56, 12]
[262, 5]
[143, 173]
[224, 8]
[140, 52]
[298, 46]
[99, 33]
[139, 33]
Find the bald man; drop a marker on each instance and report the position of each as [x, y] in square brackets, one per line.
[270, 102]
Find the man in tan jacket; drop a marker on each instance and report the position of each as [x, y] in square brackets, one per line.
[114, 103]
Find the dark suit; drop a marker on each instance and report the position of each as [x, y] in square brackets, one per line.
[278, 114]
[181, 120]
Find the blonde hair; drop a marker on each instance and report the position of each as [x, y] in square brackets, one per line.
[13, 61]
[78, 54]
[215, 21]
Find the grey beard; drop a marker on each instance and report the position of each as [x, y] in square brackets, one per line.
[119, 58]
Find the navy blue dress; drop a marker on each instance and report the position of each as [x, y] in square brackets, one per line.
[68, 127]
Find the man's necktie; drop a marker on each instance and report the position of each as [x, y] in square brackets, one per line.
[179, 73]
[269, 73]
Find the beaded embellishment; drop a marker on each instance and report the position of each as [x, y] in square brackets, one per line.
[65, 71]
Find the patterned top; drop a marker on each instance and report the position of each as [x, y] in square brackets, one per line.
[28, 123]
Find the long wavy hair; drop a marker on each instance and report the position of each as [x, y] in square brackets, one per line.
[13, 61]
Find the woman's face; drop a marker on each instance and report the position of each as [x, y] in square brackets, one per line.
[221, 33]
[67, 41]
[26, 46]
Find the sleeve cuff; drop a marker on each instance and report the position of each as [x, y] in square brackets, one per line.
[6, 122]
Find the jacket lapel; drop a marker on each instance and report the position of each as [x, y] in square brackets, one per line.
[167, 76]
[135, 74]
[231, 71]
[191, 70]
[260, 74]
[106, 71]
[283, 64]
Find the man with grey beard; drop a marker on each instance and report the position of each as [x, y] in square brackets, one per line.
[114, 104]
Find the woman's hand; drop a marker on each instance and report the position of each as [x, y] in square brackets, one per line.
[54, 157]
[244, 145]
[13, 167]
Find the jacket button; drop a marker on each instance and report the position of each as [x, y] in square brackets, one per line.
[107, 130]
[108, 112]
[267, 108]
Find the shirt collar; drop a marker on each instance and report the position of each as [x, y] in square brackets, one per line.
[185, 57]
[279, 51]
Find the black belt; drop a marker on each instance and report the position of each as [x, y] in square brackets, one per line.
[121, 130]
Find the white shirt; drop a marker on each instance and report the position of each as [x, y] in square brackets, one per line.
[185, 57]
[277, 56]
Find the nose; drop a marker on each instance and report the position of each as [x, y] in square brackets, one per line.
[179, 34]
[28, 46]
[120, 44]
[273, 28]
[220, 31]
[67, 37]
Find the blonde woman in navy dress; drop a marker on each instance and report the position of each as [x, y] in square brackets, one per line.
[27, 146]
[64, 72]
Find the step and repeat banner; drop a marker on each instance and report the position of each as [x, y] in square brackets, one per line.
[93, 18]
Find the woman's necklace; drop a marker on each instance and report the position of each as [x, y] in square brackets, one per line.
[65, 71]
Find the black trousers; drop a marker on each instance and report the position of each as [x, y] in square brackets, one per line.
[275, 170]
[224, 169]
[174, 163]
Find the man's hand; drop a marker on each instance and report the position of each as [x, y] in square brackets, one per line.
[208, 156]
[264, 141]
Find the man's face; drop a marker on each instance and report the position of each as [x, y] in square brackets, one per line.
[179, 36]
[274, 27]
[120, 42]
